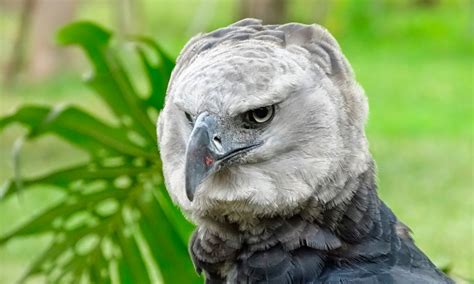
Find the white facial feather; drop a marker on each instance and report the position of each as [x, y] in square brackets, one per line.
[315, 141]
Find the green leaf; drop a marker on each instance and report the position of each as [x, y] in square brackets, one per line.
[86, 172]
[98, 266]
[158, 74]
[84, 33]
[172, 251]
[57, 248]
[76, 127]
[157, 81]
[109, 79]
[132, 266]
[43, 222]
[115, 206]
[125, 273]
[75, 266]
[166, 63]
[173, 214]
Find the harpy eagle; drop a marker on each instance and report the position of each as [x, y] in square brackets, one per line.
[263, 147]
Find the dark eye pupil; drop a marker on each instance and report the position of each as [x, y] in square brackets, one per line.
[260, 112]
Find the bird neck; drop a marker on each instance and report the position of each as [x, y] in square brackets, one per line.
[346, 215]
[352, 217]
[330, 229]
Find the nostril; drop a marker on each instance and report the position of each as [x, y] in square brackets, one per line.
[217, 139]
[217, 142]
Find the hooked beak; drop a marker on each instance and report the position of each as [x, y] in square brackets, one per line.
[206, 152]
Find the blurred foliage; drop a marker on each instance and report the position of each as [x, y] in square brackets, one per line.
[116, 222]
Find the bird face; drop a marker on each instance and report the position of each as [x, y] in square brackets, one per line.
[250, 129]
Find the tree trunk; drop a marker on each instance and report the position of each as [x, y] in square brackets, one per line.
[48, 17]
[270, 11]
[17, 58]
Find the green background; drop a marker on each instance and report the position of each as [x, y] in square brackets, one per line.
[415, 64]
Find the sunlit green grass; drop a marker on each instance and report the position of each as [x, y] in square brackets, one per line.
[421, 135]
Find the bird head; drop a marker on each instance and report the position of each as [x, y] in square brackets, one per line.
[259, 119]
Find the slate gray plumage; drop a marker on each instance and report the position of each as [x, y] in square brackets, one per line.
[290, 200]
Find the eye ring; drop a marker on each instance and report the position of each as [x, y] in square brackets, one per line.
[261, 115]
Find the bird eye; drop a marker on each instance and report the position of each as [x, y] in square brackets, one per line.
[261, 115]
[189, 117]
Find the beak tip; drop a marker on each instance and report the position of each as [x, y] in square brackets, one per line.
[189, 190]
[190, 196]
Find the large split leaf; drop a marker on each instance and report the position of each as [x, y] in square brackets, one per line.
[116, 222]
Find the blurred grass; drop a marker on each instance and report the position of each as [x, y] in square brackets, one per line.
[417, 69]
